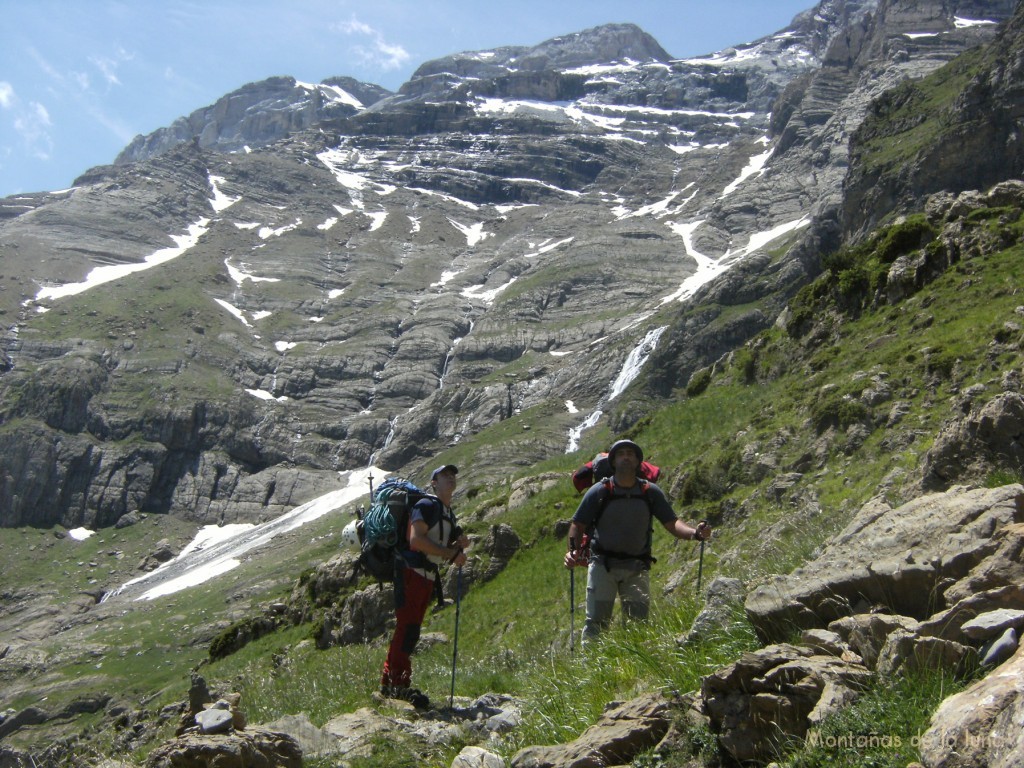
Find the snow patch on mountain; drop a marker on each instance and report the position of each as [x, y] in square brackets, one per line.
[111, 272]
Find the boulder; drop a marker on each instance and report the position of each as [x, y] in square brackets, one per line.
[214, 720]
[523, 489]
[313, 741]
[623, 731]
[867, 633]
[776, 694]
[163, 552]
[904, 650]
[993, 623]
[723, 599]
[198, 693]
[476, 757]
[1000, 649]
[253, 748]
[1002, 565]
[902, 559]
[948, 624]
[364, 616]
[829, 643]
[968, 447]
[354, 733]
[129, 519]
[488, 558]
[980, 726]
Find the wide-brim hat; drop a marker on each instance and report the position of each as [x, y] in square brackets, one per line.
[625, 444]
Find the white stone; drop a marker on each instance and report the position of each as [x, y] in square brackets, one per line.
[992, 623]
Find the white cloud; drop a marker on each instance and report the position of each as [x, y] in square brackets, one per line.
[38, 111]
[32, 124]
[78, 86]
[108, 65]
[30, 121]
[356, 27]
[48, 69]
[376, 52]
[391, 56]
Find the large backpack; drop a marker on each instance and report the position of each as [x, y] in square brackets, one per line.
[384, 532]
[599, 468]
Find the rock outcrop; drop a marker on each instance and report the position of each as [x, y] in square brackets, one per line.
[916, 560]
[935, 583]
[256, 115]
[352, 735]
[980, 725]
[241, 749]
[893, 171]
[775, 694]
[990, 436]
[622, 732]
[865, 49]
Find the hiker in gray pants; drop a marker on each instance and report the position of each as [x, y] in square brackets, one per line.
[612, 531]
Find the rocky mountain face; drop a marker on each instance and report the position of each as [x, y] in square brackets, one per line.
[257, 114]
[874, 48]
[979, 132]
[301, 279]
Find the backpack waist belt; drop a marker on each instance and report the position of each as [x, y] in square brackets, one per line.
[401, 561]
[411, 559]
[608, 555]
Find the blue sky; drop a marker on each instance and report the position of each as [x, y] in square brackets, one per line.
[80, 78]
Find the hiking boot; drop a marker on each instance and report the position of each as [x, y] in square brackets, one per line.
[413, 695]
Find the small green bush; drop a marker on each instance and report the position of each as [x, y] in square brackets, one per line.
[941, 363]
[837, 410]
[903, 238]
[745, 363]
[698, 382]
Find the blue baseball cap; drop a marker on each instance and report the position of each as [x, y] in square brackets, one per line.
[447, 467]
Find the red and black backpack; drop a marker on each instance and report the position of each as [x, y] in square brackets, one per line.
[599, 468]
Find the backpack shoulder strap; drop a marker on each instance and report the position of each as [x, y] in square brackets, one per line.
[407, 512]
[609, 492]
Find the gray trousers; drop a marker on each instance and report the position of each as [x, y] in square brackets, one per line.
[630, 585]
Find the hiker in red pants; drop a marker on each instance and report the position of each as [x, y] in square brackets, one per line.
[433, 538]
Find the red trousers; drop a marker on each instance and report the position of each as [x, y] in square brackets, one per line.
[412, 596]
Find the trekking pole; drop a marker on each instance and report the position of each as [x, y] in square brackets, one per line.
[572, 611]
[700, 564]
[572, 601]
[455, 646]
